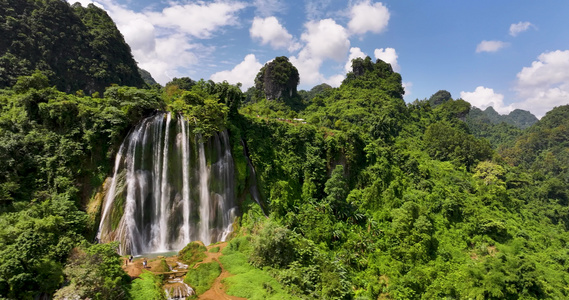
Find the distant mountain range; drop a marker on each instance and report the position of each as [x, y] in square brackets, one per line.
[519, 118]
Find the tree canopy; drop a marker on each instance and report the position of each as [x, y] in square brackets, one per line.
[344, 193]
[79, 48]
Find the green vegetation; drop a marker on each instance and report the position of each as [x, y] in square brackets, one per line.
[94, 272]
[193, 253]
[147, 287]
[213, 250]
[363, 196]
[202, 277]
[249, 282]
[163, 266]
[206, 104]
[147, 77]
[277, 79]
[439, 98]
[518, 118]
[55, 150]
[80, 49]
[375, 198]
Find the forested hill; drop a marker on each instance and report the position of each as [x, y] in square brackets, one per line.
[79, 49]
[364, 196]
[519, 118]
[378, 199]
[544, 147]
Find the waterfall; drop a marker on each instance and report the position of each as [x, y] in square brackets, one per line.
[169, 188]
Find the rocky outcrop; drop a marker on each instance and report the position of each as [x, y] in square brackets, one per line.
[277, 79]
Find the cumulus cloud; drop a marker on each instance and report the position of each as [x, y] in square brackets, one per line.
[140, 34]
[308, 69]
[355, 52]
[270, 31]
[244, 72]
[545, 84]
[335, 80]
[366, 16]
[324, 39]
[483, 97]
[159, 61]
[197, 19]
[388, 55]
[520, 27]
[490, 46]
[158, 36]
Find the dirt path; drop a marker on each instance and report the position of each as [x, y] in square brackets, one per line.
[134, 269]
[217, 290]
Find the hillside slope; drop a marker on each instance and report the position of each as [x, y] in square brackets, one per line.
[80, 49]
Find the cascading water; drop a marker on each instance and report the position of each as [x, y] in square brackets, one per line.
[169, 188]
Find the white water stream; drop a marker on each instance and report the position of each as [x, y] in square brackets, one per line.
[169, 189]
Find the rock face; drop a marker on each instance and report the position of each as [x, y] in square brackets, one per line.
[277, 79]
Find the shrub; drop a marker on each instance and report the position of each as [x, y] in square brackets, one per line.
[193, 252]
[273, 247]
[202, 277]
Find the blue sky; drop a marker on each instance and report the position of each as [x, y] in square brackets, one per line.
[505, 54]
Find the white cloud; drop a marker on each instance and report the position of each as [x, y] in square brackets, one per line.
[267, 8]
[551, 68]
[490, 46]
[355, 52]
[164, 42]
[520, 27]
[140, 34]
[197, 19]
[483, 97]
[407, 87]
[270, 31]
[308, 69]
[388, 55]
[366, 16]
[335, 80]
[545, 84]
[244, 72]
[315, 9]
[159, 61]
[326, 39]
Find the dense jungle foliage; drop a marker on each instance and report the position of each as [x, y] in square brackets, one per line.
[78, 48]
[369, 198]
[56, 150]
[363, 196]
[374, 198]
